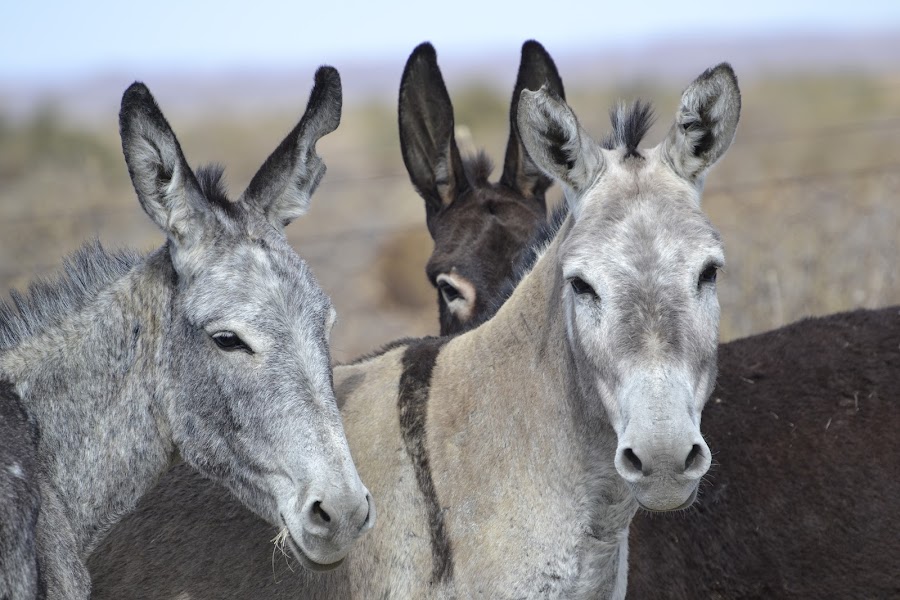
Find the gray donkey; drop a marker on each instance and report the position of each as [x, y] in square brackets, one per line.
[212, 349]
[514, 456]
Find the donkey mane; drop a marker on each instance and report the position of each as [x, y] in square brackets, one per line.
[86, 272]
[630, 123]
[209, 177]
[478, 168]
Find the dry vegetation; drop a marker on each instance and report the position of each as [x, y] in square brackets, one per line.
[807, 200]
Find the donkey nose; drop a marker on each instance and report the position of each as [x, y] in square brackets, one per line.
[630, 465]
[697, 462]
[327, 519]
[690, 462]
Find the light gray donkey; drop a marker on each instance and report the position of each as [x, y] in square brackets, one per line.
[212, 349]
[513, 457]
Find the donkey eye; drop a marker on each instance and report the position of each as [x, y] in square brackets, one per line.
[449, 292]
[708, 275]
[229, 341]
[581, 287]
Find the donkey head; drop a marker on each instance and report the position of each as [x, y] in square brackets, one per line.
[638, 269]
[479, 228]
[247, 391]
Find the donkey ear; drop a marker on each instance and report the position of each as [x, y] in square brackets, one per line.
[283, 186]
[705, 123]
[165, 185]
[556, 142]
[520, 173]
[427, 142]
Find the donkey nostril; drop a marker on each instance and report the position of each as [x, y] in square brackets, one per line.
[692, 457]
[633, 460]
[369, 505]
[319, 512]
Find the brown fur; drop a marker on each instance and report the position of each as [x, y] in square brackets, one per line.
[479, 228]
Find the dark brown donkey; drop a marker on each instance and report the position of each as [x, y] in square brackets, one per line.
[479, 228]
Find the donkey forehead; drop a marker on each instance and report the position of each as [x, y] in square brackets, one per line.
[489, 222]
[639, 215]
[257, 276]
[485, 205]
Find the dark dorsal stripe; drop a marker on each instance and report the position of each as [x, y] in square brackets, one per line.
[415, 383]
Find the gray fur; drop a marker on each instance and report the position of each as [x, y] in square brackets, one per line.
[705, 123]
[524, 425]
[20, 498]
[211, 350]
[47, 302]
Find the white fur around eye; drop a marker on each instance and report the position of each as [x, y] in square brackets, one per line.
[462, 306]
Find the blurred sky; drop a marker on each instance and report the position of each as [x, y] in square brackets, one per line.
[54, 40]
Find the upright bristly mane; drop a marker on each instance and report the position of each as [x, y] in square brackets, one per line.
[86, 272]
[478, 168]
[630, 123]
[209, 178]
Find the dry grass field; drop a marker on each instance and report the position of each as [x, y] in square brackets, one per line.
[807, 199]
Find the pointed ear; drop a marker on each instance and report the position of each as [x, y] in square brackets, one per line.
[520, 173]
[427, 142]
[704, 124]
[556, 142]
[283, 186]
[166, 187]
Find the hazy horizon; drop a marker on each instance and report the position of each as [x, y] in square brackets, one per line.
[59, 41]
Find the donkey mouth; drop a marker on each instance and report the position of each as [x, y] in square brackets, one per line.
[683, 506]
[305, 560]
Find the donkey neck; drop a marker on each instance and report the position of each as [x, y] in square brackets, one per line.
[90, 382]
[541, 454]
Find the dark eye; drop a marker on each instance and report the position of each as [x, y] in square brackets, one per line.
[229, 341]
[708, 275]
[449, 292]
[581, 287]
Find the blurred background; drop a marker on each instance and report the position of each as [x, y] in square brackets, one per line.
[807, 199]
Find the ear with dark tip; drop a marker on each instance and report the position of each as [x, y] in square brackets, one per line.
[556, 142]
[283, 186]
[520, 173]
[427, 141]
[166, 187]
[705, 123]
